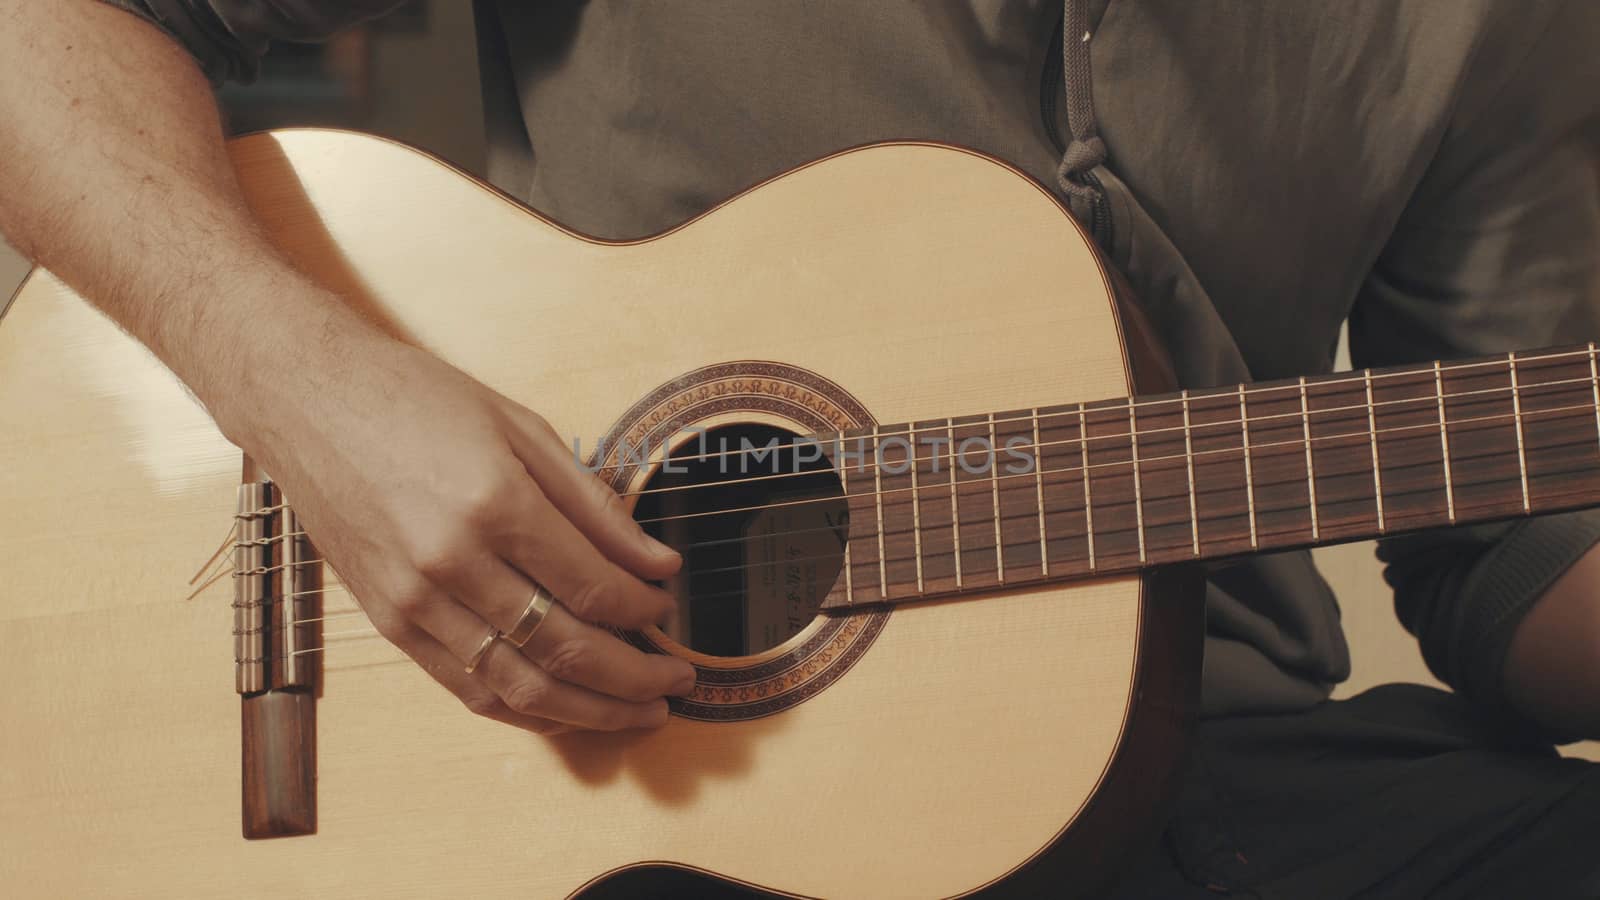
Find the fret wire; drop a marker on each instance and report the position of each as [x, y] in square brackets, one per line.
[1188, 461]
[994, 490]
[1594, 381]
[955, 502]
[1138, 499]
[1088, 504]
[1038, 490]
[1516, 412]
[1287, 534]
[1311, 473]
[1249, 476]
[877, 484]
[916, 508]
[1444, 443]
[1258, 419]
[1563, 412]
[1377, 470]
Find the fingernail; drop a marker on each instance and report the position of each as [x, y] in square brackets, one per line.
[658, 716]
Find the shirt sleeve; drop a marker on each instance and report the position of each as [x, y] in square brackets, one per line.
[1497, 250]
[229, 37]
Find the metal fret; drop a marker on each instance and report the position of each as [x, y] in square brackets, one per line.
[1188, 461]
[1444, 443]
[1516, 413]
[877, 496]
[1311, 474]
[916, 503]
[1249, 476]
[1038, 490]
[1088, 503]
[1594, 380]
[955, 504]
[1138, 492]
[1377, 470]
[994, 491]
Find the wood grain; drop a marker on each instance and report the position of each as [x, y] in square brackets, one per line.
[122, 774]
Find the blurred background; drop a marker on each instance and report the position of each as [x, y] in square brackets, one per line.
[413, 76]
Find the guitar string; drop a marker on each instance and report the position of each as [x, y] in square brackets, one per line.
[1366, 434]
[1018, 516]
[1296, 444]
[1122, 405]
[1099, 533]
[372, 634]
[1584, 410]
[896, 560]
[1247, 421]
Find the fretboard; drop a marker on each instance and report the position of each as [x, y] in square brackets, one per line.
[1117, 485]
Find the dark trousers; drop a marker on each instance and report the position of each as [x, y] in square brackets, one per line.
[1401, 792]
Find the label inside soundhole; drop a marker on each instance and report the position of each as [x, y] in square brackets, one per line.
[785, 577]
[761, 521]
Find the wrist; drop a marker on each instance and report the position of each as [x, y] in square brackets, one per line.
[278, 363]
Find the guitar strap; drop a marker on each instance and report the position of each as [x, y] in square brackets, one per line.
[1085, 151]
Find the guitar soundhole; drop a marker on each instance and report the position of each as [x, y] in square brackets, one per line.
[761, 520]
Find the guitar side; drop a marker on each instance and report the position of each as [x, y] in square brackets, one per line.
[971, 738]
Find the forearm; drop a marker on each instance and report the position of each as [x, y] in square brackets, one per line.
[116, 178]
[1552, 671]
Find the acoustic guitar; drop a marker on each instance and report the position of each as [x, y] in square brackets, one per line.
[948, 630]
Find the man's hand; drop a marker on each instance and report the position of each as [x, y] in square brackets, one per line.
[437, 500]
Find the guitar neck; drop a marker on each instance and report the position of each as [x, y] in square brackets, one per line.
[1019, 496]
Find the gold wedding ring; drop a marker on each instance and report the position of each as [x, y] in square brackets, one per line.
[483, 647]
[532, 617]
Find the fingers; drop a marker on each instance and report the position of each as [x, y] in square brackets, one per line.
[574, 651]
[581, 654]
[519, 692]
[471, 564]
[528, 690]
[586, 501]
[589, 585]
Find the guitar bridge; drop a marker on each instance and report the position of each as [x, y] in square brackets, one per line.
[277, 664]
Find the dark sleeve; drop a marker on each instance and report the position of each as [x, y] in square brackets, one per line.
[1497, 251]
[229, 37]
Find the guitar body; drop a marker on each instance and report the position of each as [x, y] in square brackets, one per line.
[1014, 741]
